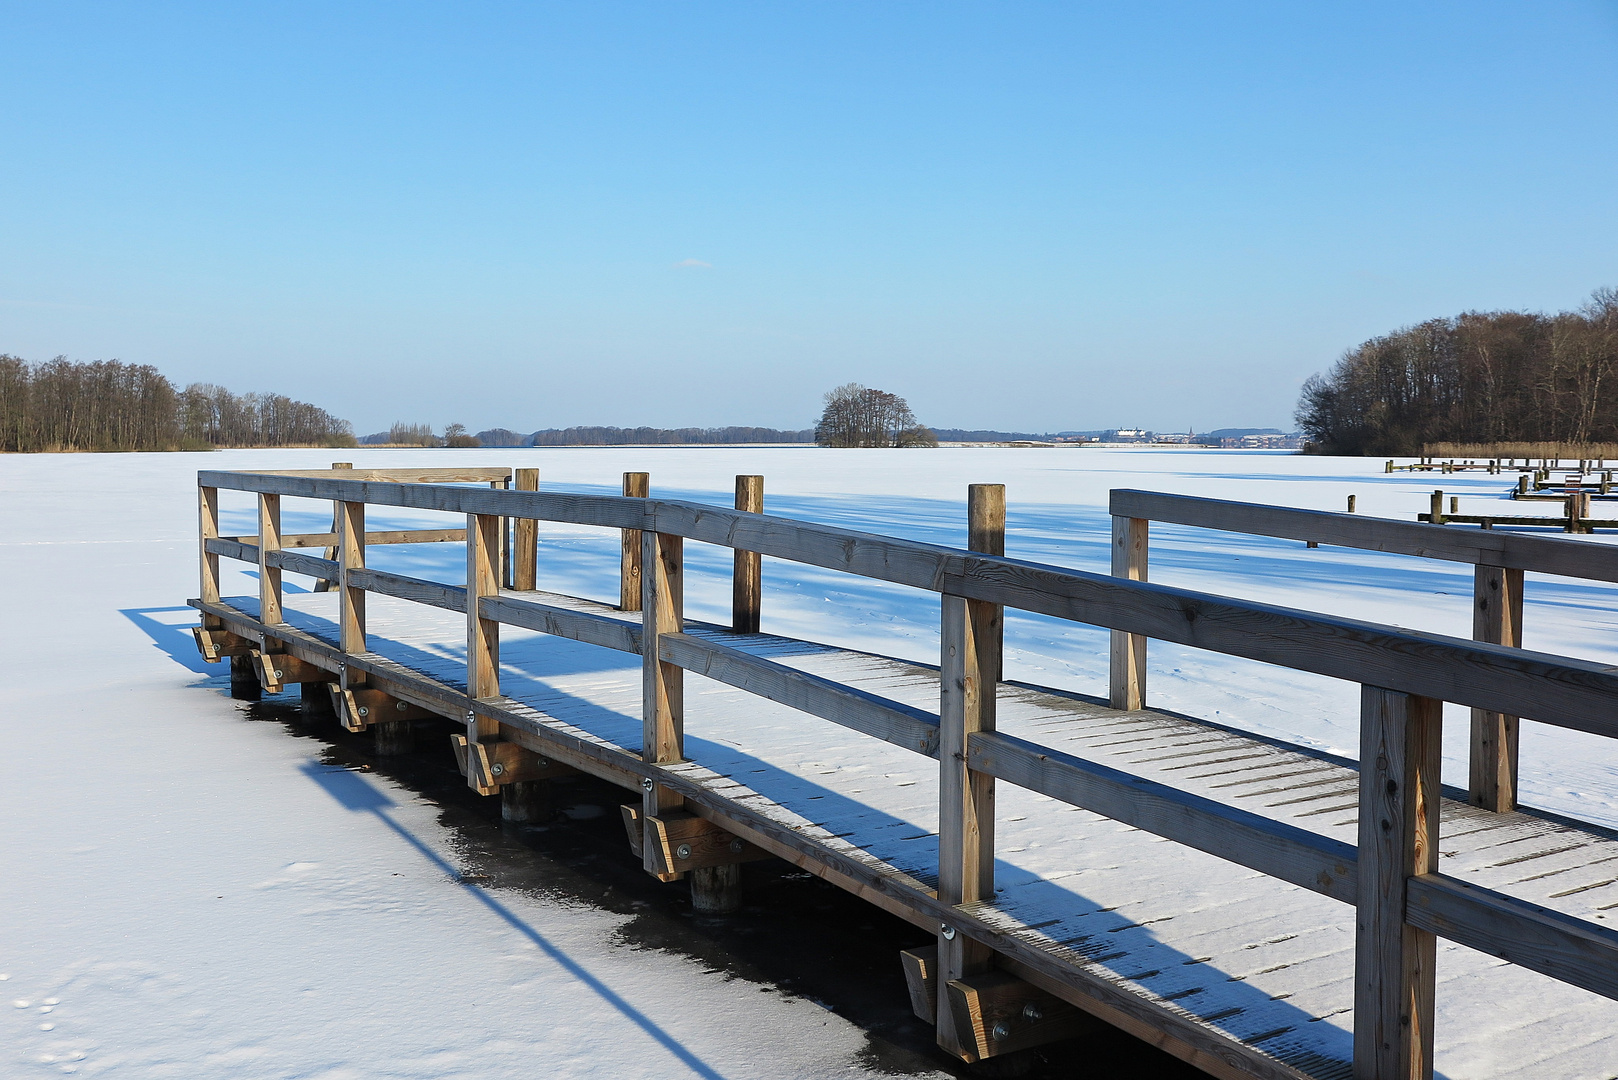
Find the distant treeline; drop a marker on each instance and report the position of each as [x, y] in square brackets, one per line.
[1482, 377]
[107, 405]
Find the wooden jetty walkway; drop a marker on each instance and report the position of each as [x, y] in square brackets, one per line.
[1254, 907]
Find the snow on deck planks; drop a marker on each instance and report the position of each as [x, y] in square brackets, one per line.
[1260, 961]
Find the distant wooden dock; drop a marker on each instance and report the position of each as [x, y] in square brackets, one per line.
[1254, 907]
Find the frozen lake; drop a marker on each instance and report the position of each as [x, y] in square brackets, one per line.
[203, 897]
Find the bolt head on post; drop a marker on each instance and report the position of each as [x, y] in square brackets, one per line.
[683, 851]
[647, 784]
[948, 932]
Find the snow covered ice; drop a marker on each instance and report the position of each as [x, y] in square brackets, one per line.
[185, 894]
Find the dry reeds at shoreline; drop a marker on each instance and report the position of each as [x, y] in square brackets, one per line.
[1554, 451]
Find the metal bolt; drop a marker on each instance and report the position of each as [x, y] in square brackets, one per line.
[278, 673]
[401, 706]
[1001, 1032]
[470, 716]
[736, 847]
[542, 763]
[647, 784]
[497, 769]
[365, 710]
[683, 851]
[1032, 1013]
[948, 932]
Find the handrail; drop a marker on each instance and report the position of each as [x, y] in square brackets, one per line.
[1390, 876]
[1555, 690]
[1486, 547]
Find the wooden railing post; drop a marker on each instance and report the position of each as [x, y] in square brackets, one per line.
[208, 562]
[269, 577]
[637, 485]
[350, 599]
[747, 580]
[483, 536]
[1127, 681]
[662, 684]
[1400, 750]
[1496, 619]
[526, 569]
[331, 553]
[970, 648]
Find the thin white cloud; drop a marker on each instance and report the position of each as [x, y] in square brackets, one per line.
[693, 264]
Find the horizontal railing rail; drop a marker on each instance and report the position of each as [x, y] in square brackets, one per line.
[1390, 876]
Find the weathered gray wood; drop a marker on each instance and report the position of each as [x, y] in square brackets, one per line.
[350, 557]
[1394, 961]
[400, 476]
[308, 565]
[330, 551]
[747, 582]
[231, 549]
[372, 539]
[1294, 855]
[1545, 554]
[1549, 942]
[1554, 690]
[433, 593]
[968, 663]
[1496, 619]
[636, 486]
[562, 622]
[902, 725]
[269, 572]
[525, 568]
[1126, 684]
[662, 683]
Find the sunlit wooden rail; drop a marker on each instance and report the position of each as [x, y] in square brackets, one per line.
[992, 986]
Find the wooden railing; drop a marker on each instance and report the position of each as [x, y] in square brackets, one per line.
[1498, 558]
[1391, 876]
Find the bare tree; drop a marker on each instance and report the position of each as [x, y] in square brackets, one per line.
[857, 415]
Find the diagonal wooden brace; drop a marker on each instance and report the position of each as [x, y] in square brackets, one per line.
[1001, 1014]
[359, 707]
[488, 765]
[275, 670]
[681, 841]
[215, 643]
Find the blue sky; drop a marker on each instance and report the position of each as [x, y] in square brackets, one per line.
[1037, 216]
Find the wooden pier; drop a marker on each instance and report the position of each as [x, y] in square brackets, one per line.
[1254, 907]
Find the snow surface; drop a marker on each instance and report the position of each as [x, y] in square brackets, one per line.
[189, 895]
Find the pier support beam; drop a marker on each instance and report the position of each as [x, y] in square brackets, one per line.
[244, 679]
[717, 890]
[526, 802]
[394, 738]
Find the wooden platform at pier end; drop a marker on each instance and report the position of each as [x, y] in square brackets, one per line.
[1205, 898]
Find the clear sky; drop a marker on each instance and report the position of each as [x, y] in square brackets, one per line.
[1032, 216]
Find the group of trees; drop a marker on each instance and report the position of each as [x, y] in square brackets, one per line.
[1482, 377]
[857, 415]
[108, 405]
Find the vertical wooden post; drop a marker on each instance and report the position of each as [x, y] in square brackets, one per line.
[351, 600]
[1398, 838]
[269, 577]
[331, 552]
[506, 570]
[525, 575]
[662, 684]
[747, 577]
[637, 485]
[1496, 619]
[971, 646]
[1127, 685]
[1436, 508]
[1351, 504]
[483, 535]
[208, 562]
